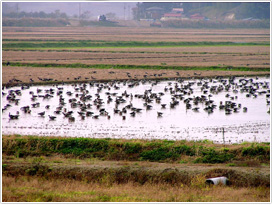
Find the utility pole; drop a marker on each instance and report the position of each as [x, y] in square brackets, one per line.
[128, 12]
[124, 11]
[79, 10]
[223, 136]
[17, 10]
[138, 11]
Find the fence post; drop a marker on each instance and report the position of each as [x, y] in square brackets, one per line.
[223, 136]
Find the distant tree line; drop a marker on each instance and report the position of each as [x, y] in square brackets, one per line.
[217, 24]
[41, 14]
[260, 10]
[35, 22]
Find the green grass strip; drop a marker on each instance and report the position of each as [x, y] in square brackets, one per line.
[86, 44]
[147, 67]
[117, 51]
[114, 149]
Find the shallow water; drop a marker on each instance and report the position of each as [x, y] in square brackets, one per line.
[178, 123]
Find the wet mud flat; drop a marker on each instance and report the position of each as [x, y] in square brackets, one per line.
[192, 109]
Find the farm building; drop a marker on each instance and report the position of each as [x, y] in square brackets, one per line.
[197, 16]
[175, 14]
[154, 13]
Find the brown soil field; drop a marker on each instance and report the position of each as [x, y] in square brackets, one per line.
[242, 50]
[68, 74]
[175, 59]
[238, 56]
[136, 34]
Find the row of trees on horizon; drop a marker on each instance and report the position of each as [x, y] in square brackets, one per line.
[259, 10]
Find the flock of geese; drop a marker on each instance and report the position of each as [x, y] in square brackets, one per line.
[90, 100]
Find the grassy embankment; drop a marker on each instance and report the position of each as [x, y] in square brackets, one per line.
[112, 149]
[106, 166]
[127, 51]
[152, 67]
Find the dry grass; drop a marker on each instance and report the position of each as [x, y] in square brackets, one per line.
[186, 164]
[36, 189]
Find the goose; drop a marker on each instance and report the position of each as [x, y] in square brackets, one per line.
[41, 113]
[148, 107]
[95, 116]
[163, 106]
[132, 114]
[159, 114]
[196, 109]
[88, 113]
[71, 119]
[13, 117]
[57, 112]
[52, 117]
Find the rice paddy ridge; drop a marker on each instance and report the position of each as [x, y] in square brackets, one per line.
[120, 66]
[87, 43]
[115, 51]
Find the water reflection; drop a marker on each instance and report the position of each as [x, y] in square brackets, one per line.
[178, 109]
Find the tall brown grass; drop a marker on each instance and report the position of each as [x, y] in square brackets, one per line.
[38, 189]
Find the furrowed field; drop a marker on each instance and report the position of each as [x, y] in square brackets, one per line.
[119, 47]
[85, 169]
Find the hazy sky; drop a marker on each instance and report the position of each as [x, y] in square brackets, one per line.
[71, 8]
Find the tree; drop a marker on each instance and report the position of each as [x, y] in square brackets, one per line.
[111, 15]
[86, 15]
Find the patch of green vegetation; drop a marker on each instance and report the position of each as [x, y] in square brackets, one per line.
[258, 151]
[57, 161]
[231, 165]
[97, 44]
[158, 154]
[183, 162]
[110, 149]
[4, 166]
[153, 67]
[210, 155]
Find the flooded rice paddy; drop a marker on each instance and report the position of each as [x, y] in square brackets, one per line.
[194, 109]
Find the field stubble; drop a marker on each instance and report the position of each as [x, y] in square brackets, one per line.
[250, 59]
[36, 189]
[125, 181]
